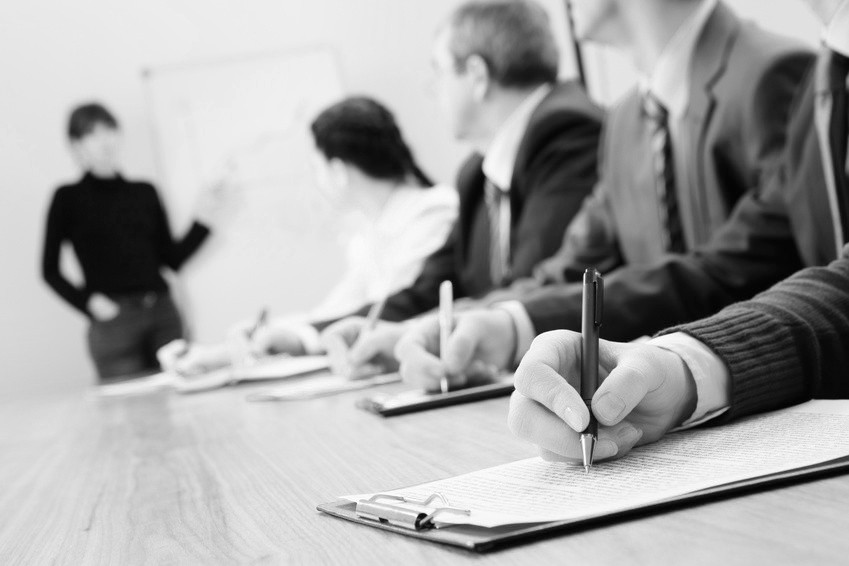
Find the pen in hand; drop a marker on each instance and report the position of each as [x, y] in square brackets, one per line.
[372, 318]
[592, 305]
[446, 325]
[250, 354]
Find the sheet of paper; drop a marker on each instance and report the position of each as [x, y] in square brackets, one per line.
[530, 491]
[139, 386]
[279, 367]
[321, 386]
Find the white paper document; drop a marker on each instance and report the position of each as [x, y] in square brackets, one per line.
[321, 386]
[532, 490]
[273, 367]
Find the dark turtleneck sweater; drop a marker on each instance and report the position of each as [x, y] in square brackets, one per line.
[120, 234]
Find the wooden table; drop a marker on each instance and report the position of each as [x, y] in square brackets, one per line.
[211, 478]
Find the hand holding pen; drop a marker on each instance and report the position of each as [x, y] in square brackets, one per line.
[645, 391]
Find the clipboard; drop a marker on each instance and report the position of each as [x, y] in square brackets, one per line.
[387, 405]
[380, 512]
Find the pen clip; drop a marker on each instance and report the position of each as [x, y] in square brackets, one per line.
[598, 311]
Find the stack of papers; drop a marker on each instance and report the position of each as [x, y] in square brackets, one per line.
[535, 491]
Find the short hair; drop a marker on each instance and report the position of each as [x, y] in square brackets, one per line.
[513, 37]
[85, 117]
[362, 132]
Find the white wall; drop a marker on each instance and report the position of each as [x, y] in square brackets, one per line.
[55, 53]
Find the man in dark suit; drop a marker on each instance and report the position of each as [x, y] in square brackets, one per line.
[536, 142]
[787, 345]
[704, 127]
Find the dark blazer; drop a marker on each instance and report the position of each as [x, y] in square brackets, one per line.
[771, 234]
[555, 170]
[742, 82]
[643, 298]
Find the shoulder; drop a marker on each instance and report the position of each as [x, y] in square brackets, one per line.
[568, 101]
[567, 113]
[412, 202]
[759, 58]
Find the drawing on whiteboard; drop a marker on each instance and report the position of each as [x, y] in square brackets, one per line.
[249, 119]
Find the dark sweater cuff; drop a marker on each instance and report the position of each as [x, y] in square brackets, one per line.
[762, 361]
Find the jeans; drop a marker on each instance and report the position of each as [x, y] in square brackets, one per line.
[125, 346]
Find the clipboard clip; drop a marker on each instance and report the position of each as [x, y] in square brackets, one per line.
[376, 508]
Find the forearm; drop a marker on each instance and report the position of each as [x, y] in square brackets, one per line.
[185, 248]
[787, 344]
[73, 295]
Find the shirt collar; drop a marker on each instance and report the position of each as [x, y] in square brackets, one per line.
[837, 32]
[665, 81]
[501, 155]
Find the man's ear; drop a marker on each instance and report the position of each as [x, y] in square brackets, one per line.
[478, 72]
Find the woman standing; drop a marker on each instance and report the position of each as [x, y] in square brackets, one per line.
[119, 232]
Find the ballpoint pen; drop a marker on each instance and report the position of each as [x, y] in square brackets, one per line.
[592, 305]
[260, 322]
[446, 325]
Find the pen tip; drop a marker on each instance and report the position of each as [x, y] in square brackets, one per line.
[586, 469]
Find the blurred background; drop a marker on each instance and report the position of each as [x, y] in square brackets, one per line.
[162, 67]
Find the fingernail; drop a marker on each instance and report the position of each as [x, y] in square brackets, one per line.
[609, 407]
[605, 449]
[573, 420]
[629, 436]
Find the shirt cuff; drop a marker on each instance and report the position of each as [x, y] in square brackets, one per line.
[525, 331]
[709, 372]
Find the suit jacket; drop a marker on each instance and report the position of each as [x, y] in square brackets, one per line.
[555, 170]
[742, 81]
[790, 343]
[741, 153]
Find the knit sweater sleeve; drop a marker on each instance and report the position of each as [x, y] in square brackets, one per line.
[787, 344]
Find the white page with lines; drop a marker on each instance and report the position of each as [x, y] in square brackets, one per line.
[532, 490]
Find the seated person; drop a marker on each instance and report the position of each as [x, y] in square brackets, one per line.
[536, 141]
[120, 235]
[787, 345]
[617, 231]
[397, 216]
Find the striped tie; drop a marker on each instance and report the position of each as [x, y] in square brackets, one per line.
[498, 211]
[661, 145]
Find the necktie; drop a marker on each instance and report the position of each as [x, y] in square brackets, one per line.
[661, 145]
[498, 210]
[833, 130]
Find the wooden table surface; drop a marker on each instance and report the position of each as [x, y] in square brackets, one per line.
[213, 479]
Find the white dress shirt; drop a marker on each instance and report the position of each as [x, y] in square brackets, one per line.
[500, 156]
[670, 79]
[385, 256]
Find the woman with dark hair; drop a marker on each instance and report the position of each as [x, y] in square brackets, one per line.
[120, 235]
[396, 218]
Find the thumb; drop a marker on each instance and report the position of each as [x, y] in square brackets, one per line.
[462, 345]
[624, 388]
[366, 348]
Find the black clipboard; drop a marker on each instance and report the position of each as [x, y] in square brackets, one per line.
[409, 402]
[481, 539]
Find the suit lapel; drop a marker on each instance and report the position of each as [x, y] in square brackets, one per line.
[710, 60]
